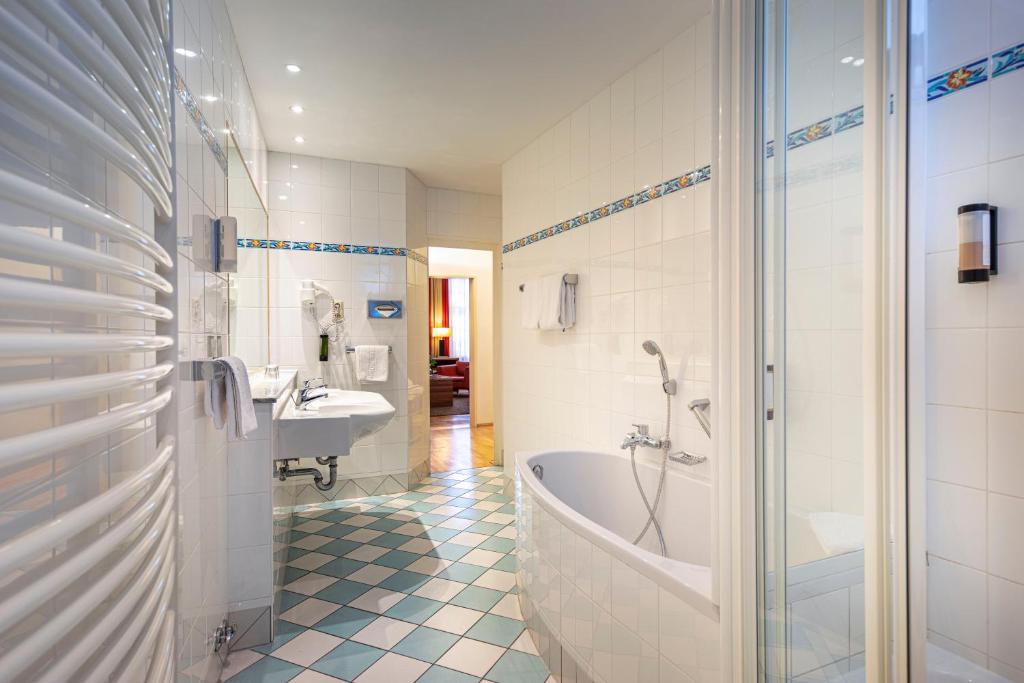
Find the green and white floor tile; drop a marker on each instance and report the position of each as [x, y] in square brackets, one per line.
[417, 587]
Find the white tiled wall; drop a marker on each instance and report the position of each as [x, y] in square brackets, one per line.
[336, 201]
[216, 70]
[974, 418]
[456, 215]
[416, 312]
[644, 273]
[823, 234]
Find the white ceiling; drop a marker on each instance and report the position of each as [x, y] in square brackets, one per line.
[447, 88]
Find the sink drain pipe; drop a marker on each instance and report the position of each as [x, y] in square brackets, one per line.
[285, 471]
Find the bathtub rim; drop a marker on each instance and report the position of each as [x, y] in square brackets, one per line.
[647, 563]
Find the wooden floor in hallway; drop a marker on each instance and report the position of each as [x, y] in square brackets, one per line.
[455, 445]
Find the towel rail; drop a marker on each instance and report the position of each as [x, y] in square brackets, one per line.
[568, 278]
[352, 349]
[88, 297]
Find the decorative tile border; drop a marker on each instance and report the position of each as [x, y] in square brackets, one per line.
[808, 134]
[699, 175]
[290, 245]
[848, 119]
[329, 247]
[851, 118]
[963, 77]
[196, 114]
[1008, 60]
[960, 78]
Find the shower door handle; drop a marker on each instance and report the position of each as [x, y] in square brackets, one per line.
[769, 392]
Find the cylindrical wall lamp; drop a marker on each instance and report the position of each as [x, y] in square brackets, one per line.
[976, 238]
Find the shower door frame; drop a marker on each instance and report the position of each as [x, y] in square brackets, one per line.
[888, 303]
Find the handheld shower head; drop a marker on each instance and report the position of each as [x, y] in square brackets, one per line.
[652, 348]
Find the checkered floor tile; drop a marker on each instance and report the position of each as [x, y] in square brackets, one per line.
[414, 587]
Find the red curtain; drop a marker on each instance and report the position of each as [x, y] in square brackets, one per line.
[438, 316]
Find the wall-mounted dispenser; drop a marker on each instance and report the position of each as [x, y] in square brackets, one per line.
[384, 309]
[976, 241]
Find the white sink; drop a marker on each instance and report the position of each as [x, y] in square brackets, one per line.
[330, 425]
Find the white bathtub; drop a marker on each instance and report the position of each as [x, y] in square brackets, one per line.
[598, 607]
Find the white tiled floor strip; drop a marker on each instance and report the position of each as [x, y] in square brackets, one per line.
[415, 587]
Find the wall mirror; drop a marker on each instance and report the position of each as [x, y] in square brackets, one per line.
[249, 293]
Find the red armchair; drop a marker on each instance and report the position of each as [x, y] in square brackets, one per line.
[459, 372]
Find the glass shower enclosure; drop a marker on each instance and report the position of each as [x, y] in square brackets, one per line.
[810, 313]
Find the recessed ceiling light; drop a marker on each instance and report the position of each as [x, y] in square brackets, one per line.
[296, 108]
[283, 197]
[846, 60]
[858, 62]
[299, 139]
[185, 53]
[295, 165]
[210, 98]
[294, 68]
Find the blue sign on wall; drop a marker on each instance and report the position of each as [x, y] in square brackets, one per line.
[385, 309]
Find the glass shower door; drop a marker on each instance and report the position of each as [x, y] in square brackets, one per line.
[810, 448]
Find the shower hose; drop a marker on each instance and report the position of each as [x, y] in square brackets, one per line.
[653, 509]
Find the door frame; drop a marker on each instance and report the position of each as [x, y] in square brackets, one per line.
[888, 302]
[496, 356]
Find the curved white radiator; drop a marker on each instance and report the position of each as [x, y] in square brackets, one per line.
[88, 492]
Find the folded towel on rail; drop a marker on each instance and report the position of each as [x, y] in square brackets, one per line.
[228, 398]
[557, 303]
[372, 363]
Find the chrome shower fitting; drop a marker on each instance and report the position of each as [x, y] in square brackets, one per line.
[700, 408]
[668, 385]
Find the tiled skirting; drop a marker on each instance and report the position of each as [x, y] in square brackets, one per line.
[297, 492]
[560, 661]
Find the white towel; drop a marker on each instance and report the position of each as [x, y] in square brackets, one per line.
[228, 399]
[557, 303]
[550, 302]
[529, 302]
[241, 411]
[567, 314]
[372, 363]
[213, 398]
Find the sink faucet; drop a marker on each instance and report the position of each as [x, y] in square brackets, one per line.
[311, 390]
[642, 437]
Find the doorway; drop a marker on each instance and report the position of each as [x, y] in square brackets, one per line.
[461, 321]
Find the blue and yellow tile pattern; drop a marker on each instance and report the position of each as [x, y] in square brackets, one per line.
[978, 71]
[694, 177]
[330, 247]
[196, 114]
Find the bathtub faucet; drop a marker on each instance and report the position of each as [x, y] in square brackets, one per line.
[642, 437]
